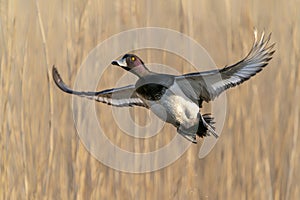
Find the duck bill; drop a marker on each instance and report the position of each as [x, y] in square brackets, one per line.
[121, 63]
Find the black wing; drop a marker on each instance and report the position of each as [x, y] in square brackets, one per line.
[123, 96]
[210, 84]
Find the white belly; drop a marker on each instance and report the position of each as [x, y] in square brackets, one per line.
[175, 107]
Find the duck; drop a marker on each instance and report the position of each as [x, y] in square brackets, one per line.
[177, 99]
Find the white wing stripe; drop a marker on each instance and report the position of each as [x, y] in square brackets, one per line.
[117, 102]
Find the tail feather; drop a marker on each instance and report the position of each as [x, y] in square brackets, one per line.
[202, 130]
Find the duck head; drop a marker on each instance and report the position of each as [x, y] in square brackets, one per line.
[132, 63]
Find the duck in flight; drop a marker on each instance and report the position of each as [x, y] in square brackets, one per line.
[178, 99]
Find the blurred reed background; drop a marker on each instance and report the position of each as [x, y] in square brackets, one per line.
[41, 155]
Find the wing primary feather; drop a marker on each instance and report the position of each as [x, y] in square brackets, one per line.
[210, 84]
[122, 96]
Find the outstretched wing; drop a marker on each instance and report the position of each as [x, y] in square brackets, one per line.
[123, 96]
[210, 84]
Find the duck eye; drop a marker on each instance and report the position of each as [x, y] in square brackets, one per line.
[132, 58]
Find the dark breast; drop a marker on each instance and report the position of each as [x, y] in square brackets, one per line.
[151, 92]
[153, 87]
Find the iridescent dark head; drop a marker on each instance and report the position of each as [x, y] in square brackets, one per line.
[132, 63]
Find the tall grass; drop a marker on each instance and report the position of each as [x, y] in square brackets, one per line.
[41, 156]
